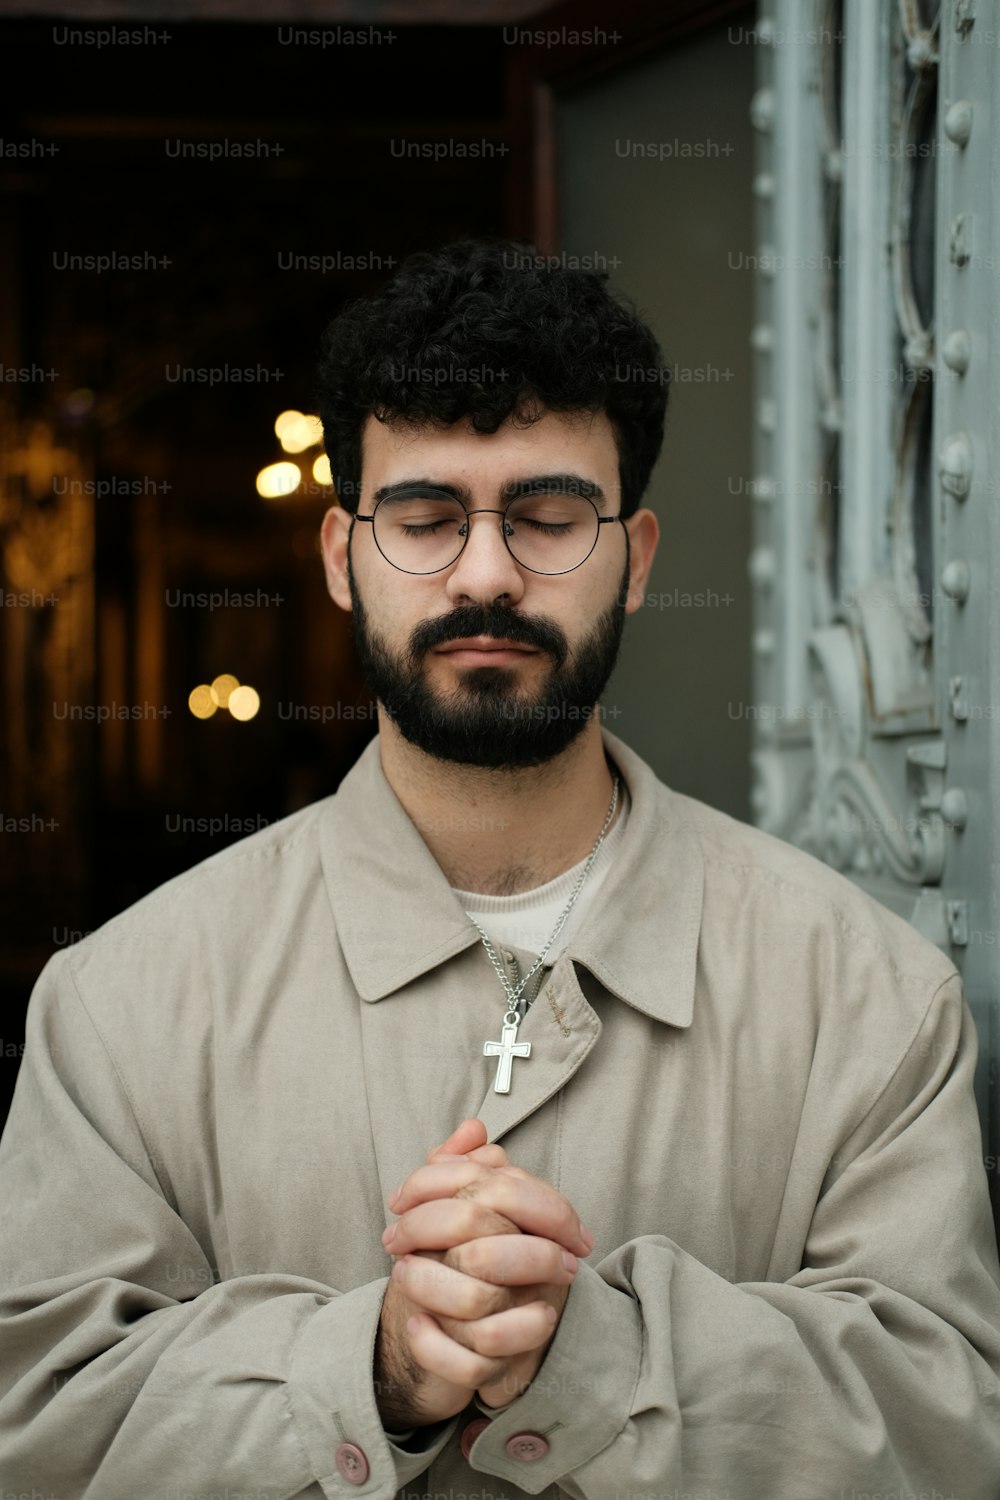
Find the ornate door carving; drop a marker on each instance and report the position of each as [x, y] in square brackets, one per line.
[877, 528]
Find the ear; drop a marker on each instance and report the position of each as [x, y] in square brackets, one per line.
[334, 533]
[643, 534]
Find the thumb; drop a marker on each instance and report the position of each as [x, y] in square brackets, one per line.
[489, 1156]
[471, 1134]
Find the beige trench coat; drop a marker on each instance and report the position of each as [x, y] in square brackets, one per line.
[752, 1081]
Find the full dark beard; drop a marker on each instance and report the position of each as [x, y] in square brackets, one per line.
[487, 720]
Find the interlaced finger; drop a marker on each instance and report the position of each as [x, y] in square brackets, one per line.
[440, 1355]
[493, 1340]
[440, 1288]
[530, 1203]
[514, 1260]
[442, 1223]
[441, 1179]
[490, 1156]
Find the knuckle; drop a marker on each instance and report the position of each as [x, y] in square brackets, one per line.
[497, 1299]
[470, 1301]
[471, 1219]
[484, 1371]
[483, 1340]
[423, 1275]
[456, 1329]
[485, 1261]
[499, 1223]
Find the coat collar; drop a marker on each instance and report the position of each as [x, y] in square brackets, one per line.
[397, 917]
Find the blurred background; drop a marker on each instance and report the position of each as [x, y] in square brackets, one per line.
[797, 195]
[187, 195]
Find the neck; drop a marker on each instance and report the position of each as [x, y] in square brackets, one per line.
[500, 832]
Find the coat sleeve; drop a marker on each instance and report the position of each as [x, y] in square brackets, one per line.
[120, 1356]
[874, 1370]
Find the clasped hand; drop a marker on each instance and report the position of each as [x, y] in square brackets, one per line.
[484, 1256]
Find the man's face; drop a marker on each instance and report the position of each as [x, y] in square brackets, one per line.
[503, 709]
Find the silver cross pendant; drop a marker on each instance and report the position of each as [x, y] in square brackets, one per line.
[506, 1050]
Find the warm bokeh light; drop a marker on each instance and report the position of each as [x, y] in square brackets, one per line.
[286, 423]
[228, 692]
[278, 479]
[296, 431]
[222, 687]
[321, 470]
[244, 702]
[201, 702]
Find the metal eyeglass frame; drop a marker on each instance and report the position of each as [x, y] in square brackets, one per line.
[504, 532]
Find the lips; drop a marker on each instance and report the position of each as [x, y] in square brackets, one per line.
[486, 643]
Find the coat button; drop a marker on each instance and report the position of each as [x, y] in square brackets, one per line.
[351, 1462]
[527, 1447]
[471, 1433]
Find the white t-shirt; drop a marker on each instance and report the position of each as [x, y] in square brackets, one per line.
[527, 919]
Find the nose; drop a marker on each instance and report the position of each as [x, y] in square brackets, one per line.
[485, 571]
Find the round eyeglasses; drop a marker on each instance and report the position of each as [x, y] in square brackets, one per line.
[546, 533]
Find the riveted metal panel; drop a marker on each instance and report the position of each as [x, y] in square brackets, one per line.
[876, 562]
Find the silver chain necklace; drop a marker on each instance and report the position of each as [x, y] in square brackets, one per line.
[509, 1047]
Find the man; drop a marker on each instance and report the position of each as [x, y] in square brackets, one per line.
[261, 1235]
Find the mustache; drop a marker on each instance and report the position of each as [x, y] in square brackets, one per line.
[492, 620]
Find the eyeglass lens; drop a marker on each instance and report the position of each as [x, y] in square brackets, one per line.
[545, 533]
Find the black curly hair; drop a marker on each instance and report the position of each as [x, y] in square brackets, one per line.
[491, 330]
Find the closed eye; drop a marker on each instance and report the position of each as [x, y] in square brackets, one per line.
[547, 528]
[408, 528]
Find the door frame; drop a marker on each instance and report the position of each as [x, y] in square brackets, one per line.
[540, 72]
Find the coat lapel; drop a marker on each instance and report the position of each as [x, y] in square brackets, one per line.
[430, 998]
[562, 1029]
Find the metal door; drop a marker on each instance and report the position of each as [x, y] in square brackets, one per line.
[876, 536]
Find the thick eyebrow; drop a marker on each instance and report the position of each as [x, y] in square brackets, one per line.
[553, 484]
[534, 484]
